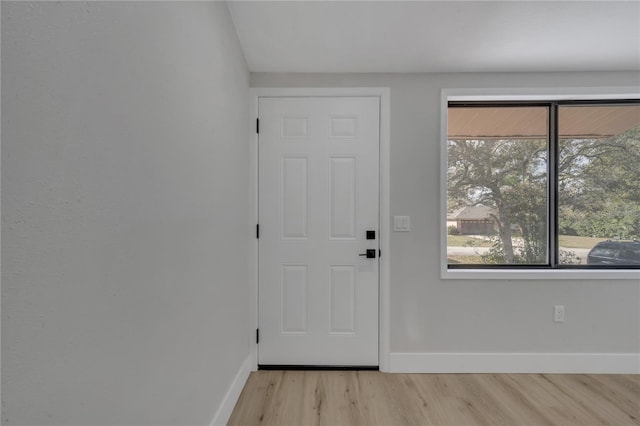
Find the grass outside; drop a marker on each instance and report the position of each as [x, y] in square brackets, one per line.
[567, 241]
[466, 260]
[572, 241]
[464, 241]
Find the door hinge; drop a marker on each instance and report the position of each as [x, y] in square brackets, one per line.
[257, 230]
[257, 336]
[257, 125]
[379, 253]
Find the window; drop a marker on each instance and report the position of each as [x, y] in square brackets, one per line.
[543, 184]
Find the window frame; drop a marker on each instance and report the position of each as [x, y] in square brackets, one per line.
[553, 99]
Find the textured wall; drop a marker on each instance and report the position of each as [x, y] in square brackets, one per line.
[125, 234]
[433, 315]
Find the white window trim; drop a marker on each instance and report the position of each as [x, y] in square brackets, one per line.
[520, 94]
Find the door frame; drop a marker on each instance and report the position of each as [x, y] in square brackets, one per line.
[383, 93]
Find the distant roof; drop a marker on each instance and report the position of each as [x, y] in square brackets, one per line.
[471, 213]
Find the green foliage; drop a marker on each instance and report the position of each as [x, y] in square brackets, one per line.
[495, 255]
[453, 230]
[568, 257]
[599, 186]
[617, 219]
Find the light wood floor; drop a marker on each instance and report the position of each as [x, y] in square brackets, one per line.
[373, 398]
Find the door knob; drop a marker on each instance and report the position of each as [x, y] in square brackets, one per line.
[370, 254]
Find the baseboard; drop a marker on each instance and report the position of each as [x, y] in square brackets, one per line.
[568, 363]
[231, 397]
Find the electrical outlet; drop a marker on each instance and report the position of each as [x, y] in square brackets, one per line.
[558, 313]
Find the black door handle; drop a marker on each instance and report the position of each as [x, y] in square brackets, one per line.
[370, 254]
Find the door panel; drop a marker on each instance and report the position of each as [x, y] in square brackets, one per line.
[343, 299]
[293, 190]
[318, 195]
[342, 198]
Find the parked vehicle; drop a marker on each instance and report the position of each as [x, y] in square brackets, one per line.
[615, 253]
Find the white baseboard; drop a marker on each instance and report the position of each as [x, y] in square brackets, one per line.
[231, 397]
[568, 363]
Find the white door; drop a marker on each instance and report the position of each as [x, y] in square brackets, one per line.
[318, 197]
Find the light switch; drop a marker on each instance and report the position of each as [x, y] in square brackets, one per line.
[401, 224]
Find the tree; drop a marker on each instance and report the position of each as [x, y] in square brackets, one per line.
[510, 176]
[599, 186]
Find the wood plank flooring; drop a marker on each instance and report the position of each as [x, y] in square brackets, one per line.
[300, 398]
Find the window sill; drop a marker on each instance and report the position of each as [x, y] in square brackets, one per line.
[538, 274]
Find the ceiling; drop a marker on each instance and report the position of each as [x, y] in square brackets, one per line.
[438, 36]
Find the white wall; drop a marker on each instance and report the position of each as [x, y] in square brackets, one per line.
[124, 212]
[430, 315]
